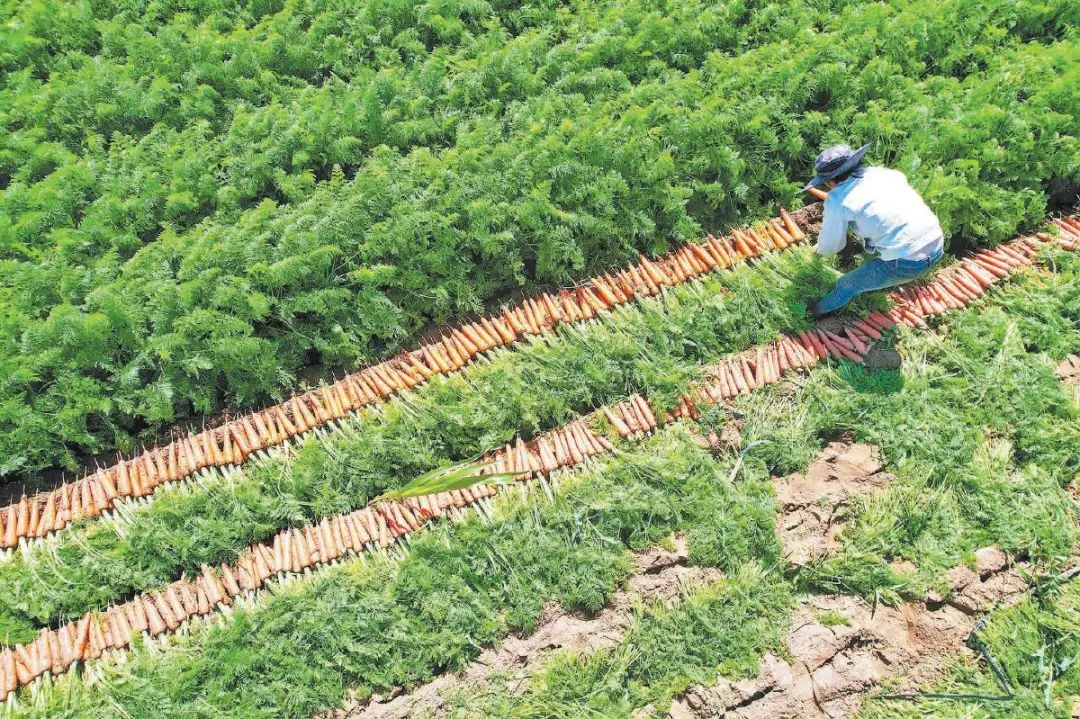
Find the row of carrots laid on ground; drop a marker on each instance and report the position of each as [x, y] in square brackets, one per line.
[296, 550]
[234, 441]
[951, 288]
[291, 551]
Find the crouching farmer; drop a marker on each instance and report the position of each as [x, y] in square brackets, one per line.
[882, 210]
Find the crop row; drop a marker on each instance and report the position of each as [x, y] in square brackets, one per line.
[475, 580]
[193, 213]
[298, 651]
[292, 551]
[656, 346]
[233, 442]
[296, 551]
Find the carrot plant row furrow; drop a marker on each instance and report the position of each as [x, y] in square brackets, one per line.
[502, 570]
[158, 543]
[231, 443]
[297, 550]
[292, 551]
[656, 345]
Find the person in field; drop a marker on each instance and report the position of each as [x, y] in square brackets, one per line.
[884, 212]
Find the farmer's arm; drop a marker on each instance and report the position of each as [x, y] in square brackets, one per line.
[833, 235]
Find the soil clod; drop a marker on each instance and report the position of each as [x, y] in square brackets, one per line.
[1069, 370]
[815, 505]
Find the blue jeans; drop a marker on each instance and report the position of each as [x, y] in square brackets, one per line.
[877, 274]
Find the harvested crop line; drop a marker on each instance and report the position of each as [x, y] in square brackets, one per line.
[952, 288]
[233, 442]
[295, 551]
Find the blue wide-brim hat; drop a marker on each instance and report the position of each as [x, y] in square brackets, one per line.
[835, 161]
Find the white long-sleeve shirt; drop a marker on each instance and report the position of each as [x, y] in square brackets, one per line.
[883, 211]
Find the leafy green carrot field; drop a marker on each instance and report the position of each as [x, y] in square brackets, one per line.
[199, 201]
[202, 203]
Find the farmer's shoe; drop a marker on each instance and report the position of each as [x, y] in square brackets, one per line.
[883, 358]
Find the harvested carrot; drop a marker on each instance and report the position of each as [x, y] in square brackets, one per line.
[703, 256]
[748, 375]
[645, 409]
[658, 278]
[722, 253]
[884, 321]
[817, 193]
[845, 352]
[741, 245]
[760, 377]
[858, 345]
[606, 295]
[989, 266]
[1015, 255]
[791, 349]
[96, 494]
[867, 328]
[771, 365]
[759, 243]
[594, 299]
[777, 238]
[678, 266]
[737, 379]
[727, 382]
[613, 285]
[791, 225]
[838, 340]
[971, 289]
[782, 229]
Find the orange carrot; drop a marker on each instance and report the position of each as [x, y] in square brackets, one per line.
[741, 245]
[658, 278]
[748, 375]
[605, 293]
[858, 345]
[708, 261]
[774, 235]
[791, 225]
[645, 409]
[980, 275]
[622, 281]
[688, 263]
[759, 242]
[989, 266]
[616, 288]
[784, 364]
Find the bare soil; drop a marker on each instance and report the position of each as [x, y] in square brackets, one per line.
[815, 505]
[841, 648]
[834, 666]
[1069, 370]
